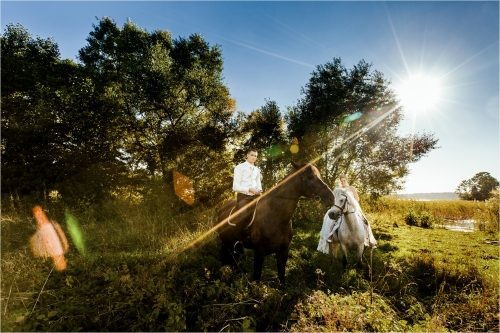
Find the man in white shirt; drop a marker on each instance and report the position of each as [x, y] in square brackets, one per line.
[248, 187]
[247, 177]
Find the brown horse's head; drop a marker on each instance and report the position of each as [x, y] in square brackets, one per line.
[312, 185]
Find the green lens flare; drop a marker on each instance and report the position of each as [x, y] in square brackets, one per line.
[352, 117]
[75, 232]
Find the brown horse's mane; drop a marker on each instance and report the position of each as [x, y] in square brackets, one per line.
[292, 173]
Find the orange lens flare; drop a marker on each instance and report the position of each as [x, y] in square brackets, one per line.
[49, 240]
[183, 187]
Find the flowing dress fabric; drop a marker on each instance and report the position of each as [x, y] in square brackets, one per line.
[325, 233]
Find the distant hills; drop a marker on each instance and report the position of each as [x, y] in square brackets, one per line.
[429, 196]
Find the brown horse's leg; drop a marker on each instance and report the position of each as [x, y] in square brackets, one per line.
[282, 257]
[258, 262]
[228, 255]
[225, 255]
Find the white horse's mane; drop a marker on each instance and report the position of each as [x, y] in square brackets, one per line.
[350, 198]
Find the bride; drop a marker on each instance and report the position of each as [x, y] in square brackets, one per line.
[329, 225]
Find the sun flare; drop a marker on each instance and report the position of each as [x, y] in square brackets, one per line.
[420, 93]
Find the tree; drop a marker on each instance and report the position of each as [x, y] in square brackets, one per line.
[170, 91]
[347, 121]
[29, 73]
[172, 103]
[264, 129]
[478, 187]
[53, 133]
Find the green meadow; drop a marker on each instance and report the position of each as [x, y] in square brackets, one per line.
[145, 265]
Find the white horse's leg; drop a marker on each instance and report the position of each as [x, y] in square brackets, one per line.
[343, 247]
[334, 248]
[361, 247]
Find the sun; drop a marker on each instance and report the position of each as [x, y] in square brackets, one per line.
[420, 93]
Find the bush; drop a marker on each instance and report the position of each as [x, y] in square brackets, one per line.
[423, 219]
[487, 216]
[355, 313]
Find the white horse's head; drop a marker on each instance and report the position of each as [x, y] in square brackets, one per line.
[344, 203]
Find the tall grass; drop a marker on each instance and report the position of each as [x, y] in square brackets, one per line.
[152, 265]
[488, 216]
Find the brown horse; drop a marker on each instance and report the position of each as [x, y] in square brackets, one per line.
[268, 228]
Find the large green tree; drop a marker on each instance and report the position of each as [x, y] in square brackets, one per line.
[174, 108]
[347, 122]
[479, 187]
[51, 136]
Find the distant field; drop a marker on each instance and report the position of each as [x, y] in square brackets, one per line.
[429, 196]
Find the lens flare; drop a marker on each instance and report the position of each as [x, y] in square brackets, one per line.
[75, 232]
[294, 149]
[274, 151]
[352, 117]
[183, 187]
[49, 240]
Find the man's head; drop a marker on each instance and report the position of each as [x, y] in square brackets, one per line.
[251, 155]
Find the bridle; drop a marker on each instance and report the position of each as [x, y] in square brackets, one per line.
[344, 207]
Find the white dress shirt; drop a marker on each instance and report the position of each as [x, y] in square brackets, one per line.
[246, 176]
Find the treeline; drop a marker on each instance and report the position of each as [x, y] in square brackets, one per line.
[139, 105]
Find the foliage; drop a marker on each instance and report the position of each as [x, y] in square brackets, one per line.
[479, 187]
[55, 136]
[349, 118]
[169, 93]
[488, 215]
[101, 140]
[142, 106]
[337, 312]
[264, 130]
[423, 219]
[441, 209]
[150, 266]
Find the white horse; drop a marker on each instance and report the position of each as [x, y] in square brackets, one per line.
[350, 232]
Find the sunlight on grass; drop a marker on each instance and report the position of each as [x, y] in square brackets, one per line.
[135, 277]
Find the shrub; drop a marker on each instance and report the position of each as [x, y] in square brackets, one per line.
[487, 216]
[355, 312]
[424, 219]
[411, 218]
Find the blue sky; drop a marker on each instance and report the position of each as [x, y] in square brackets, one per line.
[271, 48]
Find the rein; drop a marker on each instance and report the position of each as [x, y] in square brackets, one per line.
[253, 217]
[314, 198]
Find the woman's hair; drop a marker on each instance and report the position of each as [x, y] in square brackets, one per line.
[343, 176]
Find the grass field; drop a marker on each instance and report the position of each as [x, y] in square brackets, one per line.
[149, 267]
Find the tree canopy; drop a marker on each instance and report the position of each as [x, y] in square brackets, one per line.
[479, 187]
[349, 118]
[142, 107]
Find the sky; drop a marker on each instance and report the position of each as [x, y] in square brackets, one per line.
[270, 50]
